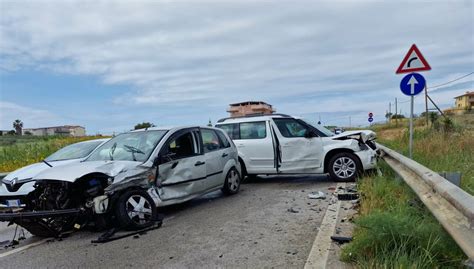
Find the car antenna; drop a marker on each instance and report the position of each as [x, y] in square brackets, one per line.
[48, 164]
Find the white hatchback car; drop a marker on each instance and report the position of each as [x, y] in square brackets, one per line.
[281, 144]
[126, 178]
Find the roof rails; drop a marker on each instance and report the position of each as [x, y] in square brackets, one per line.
[254, 115]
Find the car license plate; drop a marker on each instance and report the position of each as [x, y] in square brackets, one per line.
[13, 203]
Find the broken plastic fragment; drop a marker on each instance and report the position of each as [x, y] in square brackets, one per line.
[317, 195]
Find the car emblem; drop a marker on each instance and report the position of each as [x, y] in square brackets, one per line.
[13, 181]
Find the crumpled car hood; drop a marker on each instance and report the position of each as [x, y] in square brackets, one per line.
[366, 135]
[74, 171]
[32, 170]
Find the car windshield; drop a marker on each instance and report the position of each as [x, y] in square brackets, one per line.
[74, 151]
[133, 146]
[320, 128]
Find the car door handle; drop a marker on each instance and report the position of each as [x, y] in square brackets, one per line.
[198, 163]
[174, 165]
[224, 155]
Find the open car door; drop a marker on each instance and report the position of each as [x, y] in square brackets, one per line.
[298, 149]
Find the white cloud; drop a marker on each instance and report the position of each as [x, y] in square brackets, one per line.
[294, 54]
[31, 117]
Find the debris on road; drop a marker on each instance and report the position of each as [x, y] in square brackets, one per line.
[317, 195]
[347, 196]
[341, 239]
[292, 210]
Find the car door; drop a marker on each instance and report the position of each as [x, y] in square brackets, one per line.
[300, 149]
[182, 166]
[214, 153]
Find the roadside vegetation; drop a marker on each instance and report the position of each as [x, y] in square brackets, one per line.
[18, 151]
[394, 229]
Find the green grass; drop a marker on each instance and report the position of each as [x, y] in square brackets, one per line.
[394, 229]
[452, 152]
[16, 152]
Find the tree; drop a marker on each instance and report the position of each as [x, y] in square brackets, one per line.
[209, 123]
[18, 125]
[388, 115]
[11, 132]
[398, 116]
[144, 125]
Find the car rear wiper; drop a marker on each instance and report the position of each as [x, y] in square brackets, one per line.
[133, 150]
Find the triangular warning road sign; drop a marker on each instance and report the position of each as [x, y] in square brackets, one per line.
[413, 61]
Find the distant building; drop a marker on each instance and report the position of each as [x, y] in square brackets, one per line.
[465, 101]
[67, 130]
[249, 108]
[462, 103]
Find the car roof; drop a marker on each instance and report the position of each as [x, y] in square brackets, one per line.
[256, 117]
[170, 128]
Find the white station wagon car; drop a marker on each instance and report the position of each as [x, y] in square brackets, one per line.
[124, 180]
[281, 144]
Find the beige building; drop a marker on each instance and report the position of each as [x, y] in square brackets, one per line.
[68, 130]
[465, 101]
[250, 108]
[462, 103]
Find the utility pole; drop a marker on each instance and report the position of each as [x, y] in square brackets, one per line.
[426, 105]
[389, 111]
[350, 122]
[396, 112]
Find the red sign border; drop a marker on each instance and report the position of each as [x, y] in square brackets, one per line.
[422, 59]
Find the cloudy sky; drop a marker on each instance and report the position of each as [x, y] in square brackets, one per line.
[109, 65]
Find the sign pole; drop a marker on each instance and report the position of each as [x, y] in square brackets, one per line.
[410, 146]
[413, 84]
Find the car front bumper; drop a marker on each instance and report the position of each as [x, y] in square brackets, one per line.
[368, 158]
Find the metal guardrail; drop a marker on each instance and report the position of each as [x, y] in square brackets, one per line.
[451, 206]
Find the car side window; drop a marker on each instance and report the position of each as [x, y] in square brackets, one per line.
[232, 130]
[223, 139]
[253, 130]
[290, 128]
[210, 140]
[181, 147]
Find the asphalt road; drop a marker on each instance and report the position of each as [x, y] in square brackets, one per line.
[271, 223]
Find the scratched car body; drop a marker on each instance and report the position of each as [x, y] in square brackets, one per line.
[281, 144]
[124, 180]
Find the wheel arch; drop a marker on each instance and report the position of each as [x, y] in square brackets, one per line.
[333, 152]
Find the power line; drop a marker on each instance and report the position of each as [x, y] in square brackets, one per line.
[443, 84]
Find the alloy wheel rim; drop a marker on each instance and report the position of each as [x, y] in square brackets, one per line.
[233, 180]
[344, 167]
[138, 209]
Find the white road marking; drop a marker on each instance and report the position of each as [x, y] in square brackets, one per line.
[13, 251]
[318, 256]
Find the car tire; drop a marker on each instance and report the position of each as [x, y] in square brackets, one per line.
[344, 167]
[232, 182]
[135, 210]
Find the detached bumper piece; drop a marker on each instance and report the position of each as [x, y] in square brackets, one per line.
[50, 223]
[115, 234]
[19, 216]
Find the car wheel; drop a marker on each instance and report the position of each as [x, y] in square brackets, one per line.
[135, 210]
[232, 182]
[344, 167]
